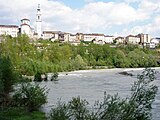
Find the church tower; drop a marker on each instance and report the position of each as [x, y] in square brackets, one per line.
[39, 22]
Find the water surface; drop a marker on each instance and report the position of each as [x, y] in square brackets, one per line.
[91, 85]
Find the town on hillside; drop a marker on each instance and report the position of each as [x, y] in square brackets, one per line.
[25, 28]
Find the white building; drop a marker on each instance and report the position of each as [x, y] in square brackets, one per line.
[144, 38]
[156, 41]
[109, 39]
[9, 30]
[51, 35]
[66, 37]
[119, 40]
[39, 22]
[26, 28]
[72, 38]
[132, 39]
[92, 37]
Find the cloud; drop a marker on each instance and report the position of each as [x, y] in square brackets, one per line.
[88, 1]
[92, 17]
[150, 28]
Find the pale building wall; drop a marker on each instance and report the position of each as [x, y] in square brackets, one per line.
[50, 35]
[133, 39]
[66, 37]
[26, 28]
[72, 38]
[109, 39]
[9, 30]
[90, 37]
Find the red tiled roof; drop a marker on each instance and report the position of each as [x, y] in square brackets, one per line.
[108, 36]
[51, 32]
[9, 26]
[131, 36]
[25, 19]
[94, 34]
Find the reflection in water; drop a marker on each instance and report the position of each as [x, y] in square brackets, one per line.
[91, 85]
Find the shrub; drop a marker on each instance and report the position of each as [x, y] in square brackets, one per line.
[37, 77]
[8, 77]
[76, 109]
[60, 112]
[54, 76]
[30, 96]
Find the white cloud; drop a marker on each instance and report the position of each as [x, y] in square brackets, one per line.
[150, 28]
[132, 1]
[88, 1]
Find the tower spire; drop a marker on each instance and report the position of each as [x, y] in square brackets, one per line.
[39, 22]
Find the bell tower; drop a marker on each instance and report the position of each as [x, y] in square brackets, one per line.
[39, 22]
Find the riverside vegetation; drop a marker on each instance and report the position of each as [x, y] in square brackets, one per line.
[20, 57]
[44, 56]
[27, 98]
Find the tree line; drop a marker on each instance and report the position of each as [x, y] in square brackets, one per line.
[45, 56]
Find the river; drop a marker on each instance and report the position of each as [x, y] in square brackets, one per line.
[91, 85]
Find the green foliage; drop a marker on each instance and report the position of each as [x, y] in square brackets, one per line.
[76, 109]
[8, 77]
[79, 63]
[37, 77]
[54, 76]
[14, 113]
[137, 107]
[60, 112]
[45, 56]
[30, 96]
[143, 94]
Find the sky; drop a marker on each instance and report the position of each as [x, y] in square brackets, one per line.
[109, 17]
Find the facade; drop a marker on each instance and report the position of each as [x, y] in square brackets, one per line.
[144, 38]
[9, 30]
[66, 37]
[39, 22]
[108, 39]
[51, 35]
[73, 38]
[133, 39]
[119, 40]
[155, 41]
[79, 36]
[92, 37]
[26, 28]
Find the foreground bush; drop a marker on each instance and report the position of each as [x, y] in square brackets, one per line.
[30, 96]
[8, 77]
[20, 114]
[137, 107]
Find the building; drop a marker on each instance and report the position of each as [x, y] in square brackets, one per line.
[39, 22]
[109, 39]
[11, 30]
[156, 41]
[91, 37]
[144, 38]
[73, 38]
[26, 28]
[119, 40]
[133, 39]
[51, 35]
[79, 36]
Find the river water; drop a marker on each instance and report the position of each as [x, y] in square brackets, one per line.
[91, 85]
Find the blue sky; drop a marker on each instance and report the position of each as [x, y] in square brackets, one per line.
[111, 17]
